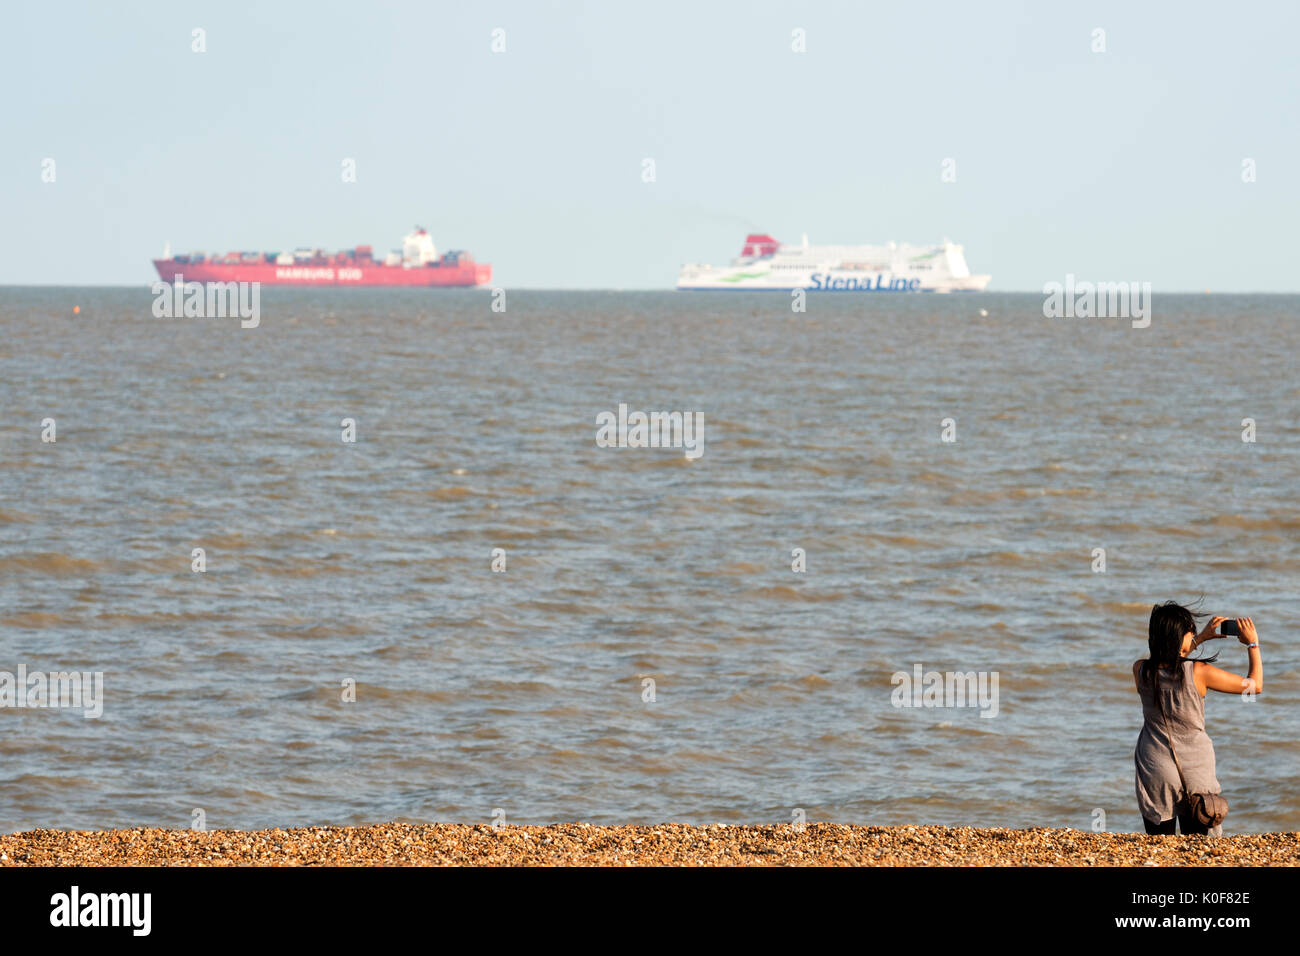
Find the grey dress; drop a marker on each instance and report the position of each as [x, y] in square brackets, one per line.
[1159, 791]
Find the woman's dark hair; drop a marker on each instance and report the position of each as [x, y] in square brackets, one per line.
[1169, 623]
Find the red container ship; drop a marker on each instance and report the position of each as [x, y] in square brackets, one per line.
[417, 263]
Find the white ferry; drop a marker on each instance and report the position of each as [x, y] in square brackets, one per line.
[767, 265]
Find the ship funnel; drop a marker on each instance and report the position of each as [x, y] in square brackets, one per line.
[759, 244]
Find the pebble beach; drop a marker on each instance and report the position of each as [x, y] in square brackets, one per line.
[579, 844]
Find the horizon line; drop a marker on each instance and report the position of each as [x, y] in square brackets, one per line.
[489, 288]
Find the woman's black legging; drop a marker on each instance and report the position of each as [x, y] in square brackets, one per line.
[1186, 823]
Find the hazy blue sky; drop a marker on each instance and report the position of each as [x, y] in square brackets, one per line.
[1118, 165]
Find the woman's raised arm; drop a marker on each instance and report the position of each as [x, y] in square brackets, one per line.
[1215, 678]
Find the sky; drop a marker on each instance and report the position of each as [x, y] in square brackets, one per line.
[1120, 165]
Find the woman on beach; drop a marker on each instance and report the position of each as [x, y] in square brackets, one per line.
[1181, 684]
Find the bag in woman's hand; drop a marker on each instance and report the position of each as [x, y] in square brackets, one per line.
[1208, 809]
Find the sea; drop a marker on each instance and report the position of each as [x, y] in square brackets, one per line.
[368, 561]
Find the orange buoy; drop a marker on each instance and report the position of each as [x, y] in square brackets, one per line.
[76, 309]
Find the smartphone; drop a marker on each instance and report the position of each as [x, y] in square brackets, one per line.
[1229, 629]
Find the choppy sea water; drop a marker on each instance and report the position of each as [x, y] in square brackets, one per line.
[525, 690]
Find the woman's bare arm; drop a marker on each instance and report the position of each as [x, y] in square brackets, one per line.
[1209, 677]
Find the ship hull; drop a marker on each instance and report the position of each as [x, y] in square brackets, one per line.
[725, 280]
[268, 273]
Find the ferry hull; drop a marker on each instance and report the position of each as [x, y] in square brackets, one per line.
[830, 282]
